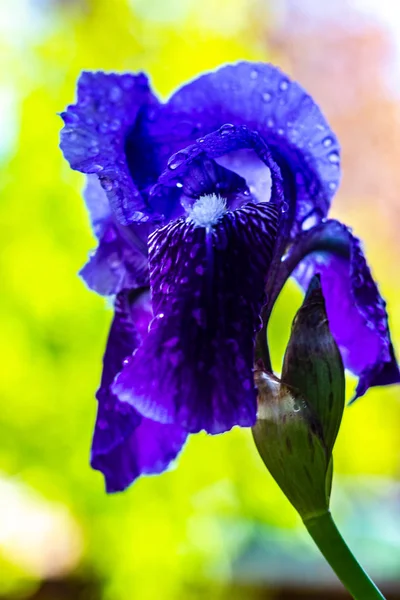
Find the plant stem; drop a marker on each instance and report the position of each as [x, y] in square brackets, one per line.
[328, 539]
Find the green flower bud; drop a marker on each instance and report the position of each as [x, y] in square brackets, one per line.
[299, 416]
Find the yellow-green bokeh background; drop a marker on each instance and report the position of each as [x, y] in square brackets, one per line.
[177, 535]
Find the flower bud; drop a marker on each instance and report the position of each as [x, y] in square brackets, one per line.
[299, 416]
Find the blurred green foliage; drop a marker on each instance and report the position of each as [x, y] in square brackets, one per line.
[177, 535]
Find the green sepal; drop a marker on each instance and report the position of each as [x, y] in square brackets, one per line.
[313, 365]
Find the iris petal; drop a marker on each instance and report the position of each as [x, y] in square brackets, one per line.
[120, 260]
[195, 367]
[356, 310]
[193, 171]
[126, 445]
[264, 99]
[93, 139]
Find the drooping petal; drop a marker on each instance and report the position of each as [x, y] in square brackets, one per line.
[120, 261]
[126, 445]
[195, 367]
[193, 172]
[264, 99]
[356, 310]
[94, 137]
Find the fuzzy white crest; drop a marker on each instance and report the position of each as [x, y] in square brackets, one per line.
[207, 210]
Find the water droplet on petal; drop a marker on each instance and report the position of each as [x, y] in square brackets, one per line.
[254, 74]
[328, 141]
[284, 85]
[179, 184]
[270, 122]
[177, 160]
[114, 260]
[334, 157]
[284, 207]
[267, 97]
[332, 185]
[226, 129]
[115, 124]
[96, 168]
[309, 222]
[115, 93]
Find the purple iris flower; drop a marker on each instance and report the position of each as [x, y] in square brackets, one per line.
[203, 206]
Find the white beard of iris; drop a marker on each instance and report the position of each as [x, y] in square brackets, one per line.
[207, 210]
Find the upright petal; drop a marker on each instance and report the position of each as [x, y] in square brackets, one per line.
[264, 99]
[120, 261]
[194, 172]
[195, 367]
[356, 310]
[126, 445]
[94, 137]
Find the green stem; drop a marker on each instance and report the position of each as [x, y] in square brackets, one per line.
[328, 539]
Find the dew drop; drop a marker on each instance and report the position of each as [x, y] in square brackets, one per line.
[270, 122]
[334, 157]
[267, 97]
[115, 94]
[309, 222]
[115, 124]
[179, 184]
[176, 160]
[284, 85]
[254, 74]
[114, 260]
[226, 129]
[128, 82]
[328, 141]
[284, 207]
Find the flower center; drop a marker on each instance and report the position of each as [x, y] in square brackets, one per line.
[207, 210]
